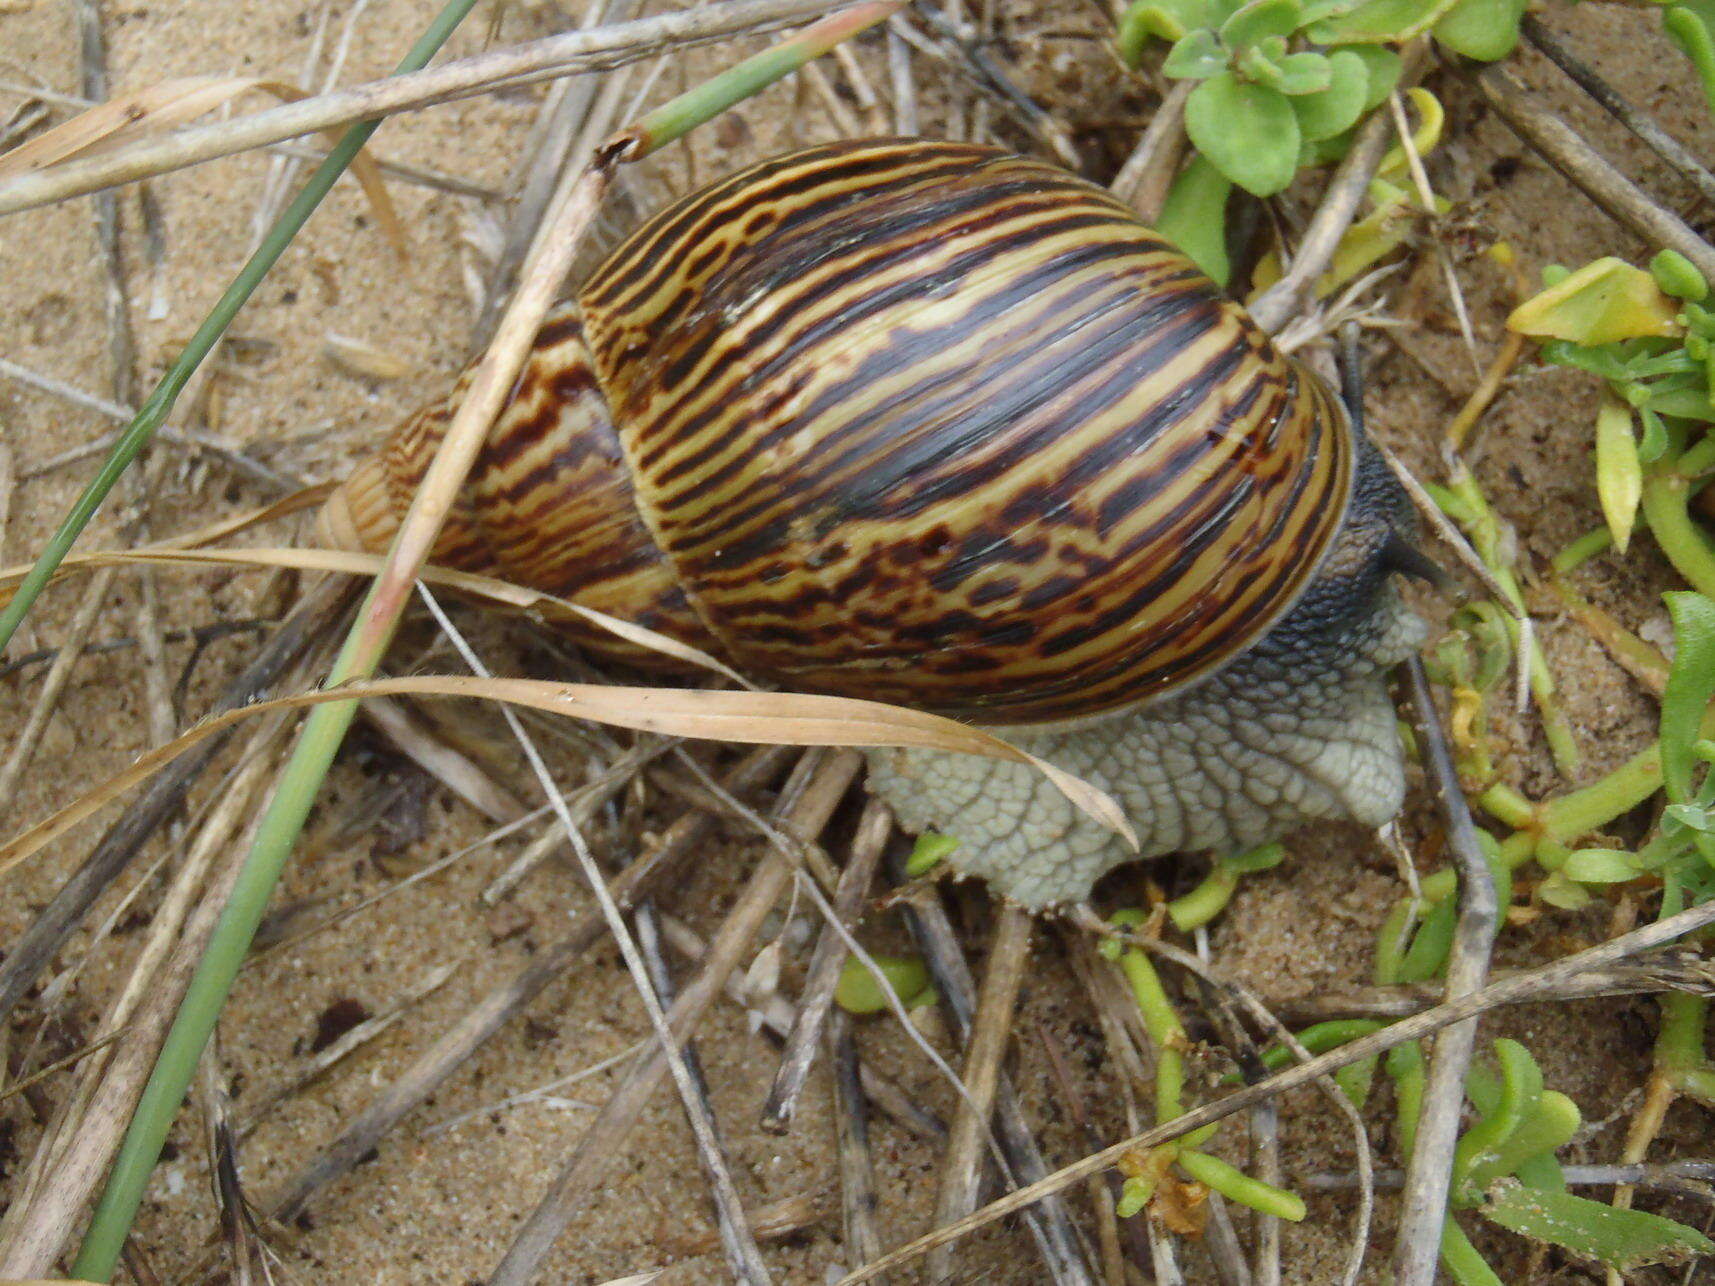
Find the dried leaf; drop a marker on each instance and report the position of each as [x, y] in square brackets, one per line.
[760, 718]
[359, 357]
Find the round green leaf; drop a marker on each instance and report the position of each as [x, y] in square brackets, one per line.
[1194, 217]
[858, 992]
[1306, 73]
[1486, 30]
[1258, 20]
[1376, 20]
[1336, 109]
[1383, 65]
[1678, 276]
[1248, 132]
[1600, 866]
[1197, 56]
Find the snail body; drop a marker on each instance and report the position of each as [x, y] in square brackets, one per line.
[934, 424]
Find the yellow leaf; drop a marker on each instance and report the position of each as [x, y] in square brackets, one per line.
[1604, 301]
[1619, 472]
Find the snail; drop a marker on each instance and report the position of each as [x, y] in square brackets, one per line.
[935, 424]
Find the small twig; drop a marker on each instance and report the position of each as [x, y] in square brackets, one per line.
[228, 455]
[991, 1031]
[1101, 1192]
[1620, 198]
[991, 79]
[473, 1028]
[744, 1256]
[1424, 1207]
[823, 972]
[851, 1125]
[599, 1145]
[442, 760]
[903, 81]
[1682, 1178]
[1051, 1222]
[1689, 974]
[1608, 98]
[1281, 302]
[563, 55]
[1146, 176]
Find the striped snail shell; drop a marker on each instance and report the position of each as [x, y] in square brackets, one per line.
[926, 423]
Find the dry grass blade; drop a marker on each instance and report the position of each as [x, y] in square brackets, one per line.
[851, 1123]
[767, 718]
[446, 763]
[154, 108]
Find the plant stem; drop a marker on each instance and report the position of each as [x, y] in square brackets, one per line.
[1667, 493]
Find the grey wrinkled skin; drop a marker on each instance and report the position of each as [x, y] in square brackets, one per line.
[1297, 729]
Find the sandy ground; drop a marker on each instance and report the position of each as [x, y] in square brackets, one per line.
[441, 1204]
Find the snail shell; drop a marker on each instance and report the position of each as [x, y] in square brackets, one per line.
[923, 422]
[926, 423]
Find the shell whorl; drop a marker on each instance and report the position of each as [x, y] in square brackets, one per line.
[926, 423]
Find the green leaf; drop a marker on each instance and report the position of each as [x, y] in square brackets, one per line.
[858, 992]
[928, 853]
[1197, 56]
[1690, 685]
[1305, 73]
[1167, 20]
[1549, 1125]
[1621, 1239]
[1678, 276]
[1335, 109]
[1520, 1087]
[1686, 403]
[1258, 20]
[1600, 866]
[1383, 65]
[1486, 30]
[1619, 472]
[1378, 20]
[1689, 29]
[1603, 301]
[1248, 132]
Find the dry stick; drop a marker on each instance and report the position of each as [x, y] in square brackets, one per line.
[1281, 302]
[230, 456]
[1684, 1178]
[902, 80]
[1423, 1210]
[600, 1143]
[991, 1029]
[743, 1255]
[73, 1162]
[543, 168]
[1691, 975]
[823, 973]
[563, 55]
[1517, 989]
[430, 1068]
[1051, 1223]
[51, 928]
[851, 1132]
[1608, 98]
[443, 761]
[1101, 1194]
[1620, 198]
[1144, 179]
[54, 686]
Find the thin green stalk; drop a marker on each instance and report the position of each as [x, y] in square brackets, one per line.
[1666, 494]
[1235, 1184]
[706, 101]
[323, 732]
[159, 404]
